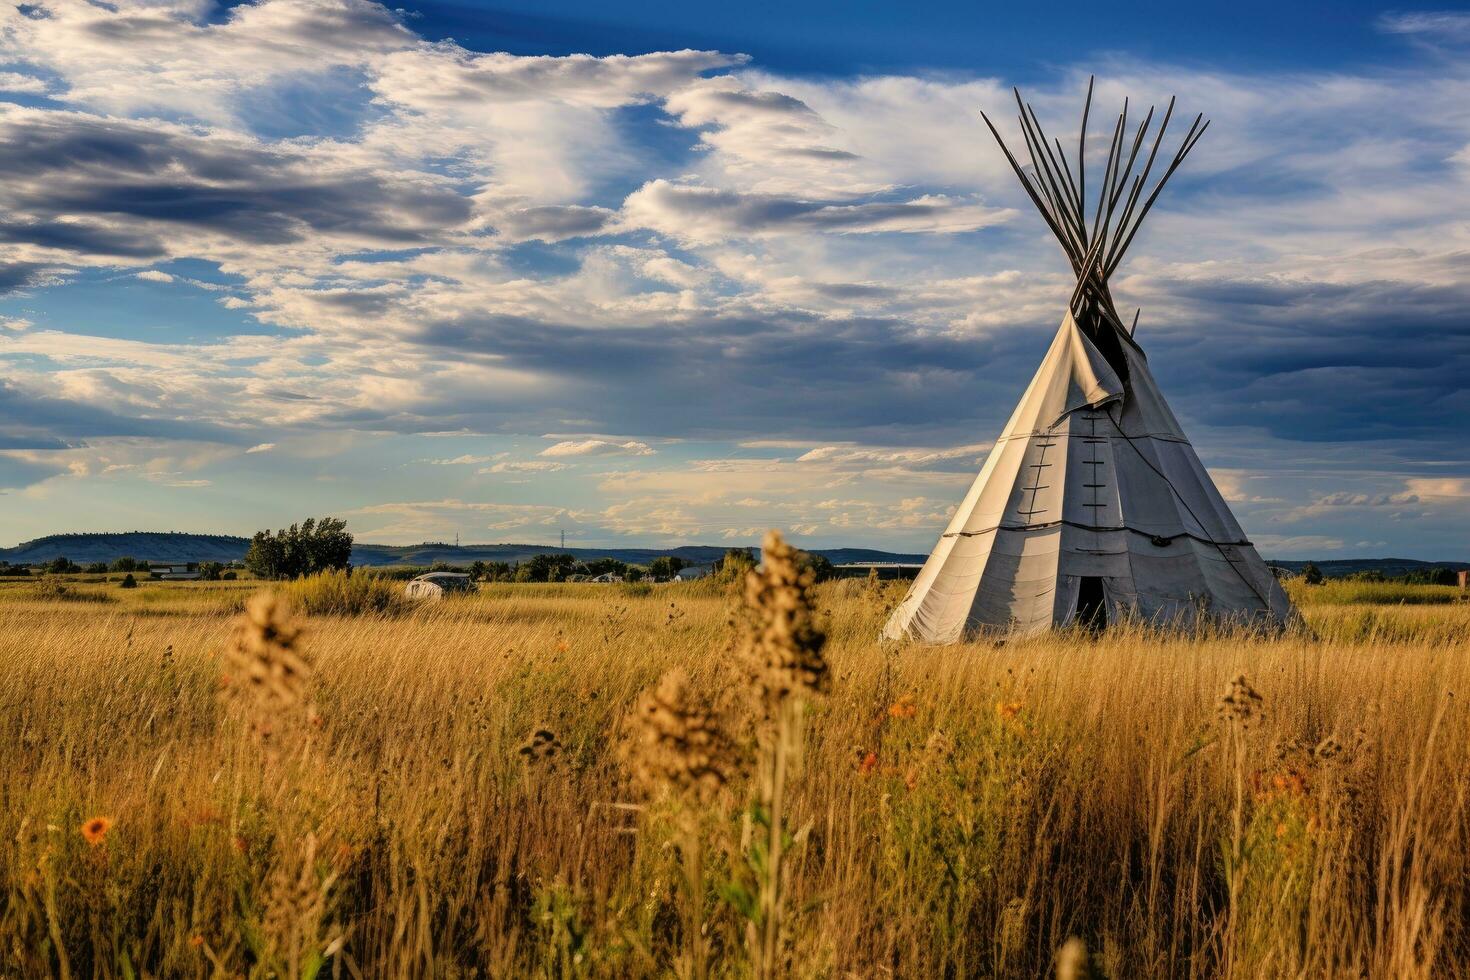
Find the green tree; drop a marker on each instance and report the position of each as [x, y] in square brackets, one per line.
[301, 549]
[820, 565]
[547, 568]
[210, 571]
[61, 565]
[665, 566]
[265, 556]
[97, 567]
[1311, 574]
[125, 564]
[602, 566]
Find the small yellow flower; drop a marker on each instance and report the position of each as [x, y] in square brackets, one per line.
[96, 829]
[1008, 710]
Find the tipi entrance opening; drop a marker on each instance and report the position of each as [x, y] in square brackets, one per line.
[1092, 603]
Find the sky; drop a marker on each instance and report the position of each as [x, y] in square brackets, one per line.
[673, 273]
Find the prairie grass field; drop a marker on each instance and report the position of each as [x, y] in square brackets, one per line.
[446, 792]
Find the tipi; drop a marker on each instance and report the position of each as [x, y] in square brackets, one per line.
[1092, 506]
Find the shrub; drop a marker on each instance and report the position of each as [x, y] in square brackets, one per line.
[129, 582]
[343, 593]
[49, 590]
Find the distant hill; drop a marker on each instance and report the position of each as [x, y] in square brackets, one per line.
[145, 545]
[1338, 567]
[172, 546]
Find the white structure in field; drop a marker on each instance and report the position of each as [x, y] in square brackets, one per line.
[185, 570]
[436, 585]
[1092, 506]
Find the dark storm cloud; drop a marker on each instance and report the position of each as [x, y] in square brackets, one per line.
[1323, 361]
[74, 166]
[17, 474]
[17, 275]
[1390, 371]
[554, 222]
[12, 440]
[731, 377]
[44, 421]
[82, 237]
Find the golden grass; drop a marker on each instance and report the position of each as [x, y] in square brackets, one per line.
[962, 811]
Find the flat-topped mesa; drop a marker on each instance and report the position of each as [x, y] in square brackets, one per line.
[1095, 249]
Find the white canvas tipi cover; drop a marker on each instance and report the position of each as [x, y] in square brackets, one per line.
[1091, 479]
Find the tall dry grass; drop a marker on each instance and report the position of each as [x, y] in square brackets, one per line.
[458, 803]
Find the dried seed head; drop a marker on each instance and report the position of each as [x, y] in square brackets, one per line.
[781, 643]
[264, 669]
[1240, 704]
[939, 747]
[677, 741]
[1072, 961]
[295, 899]
[542, 747]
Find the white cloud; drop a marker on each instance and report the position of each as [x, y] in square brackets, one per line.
[709, 214]
[598, 447]
[13, 82]
[1439, 488]
[263, 447]
[524, 466]
[964, 458]
[466, 460]
[1441, 25]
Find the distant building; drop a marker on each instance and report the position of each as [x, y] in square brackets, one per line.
[606, 577]
[886, 570]
[173, 569]
[692, 572]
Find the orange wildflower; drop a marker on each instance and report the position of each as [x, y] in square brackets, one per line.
[1008, 710]
[904, 707]
[196, 941]
[96, 829]
[868, 764]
